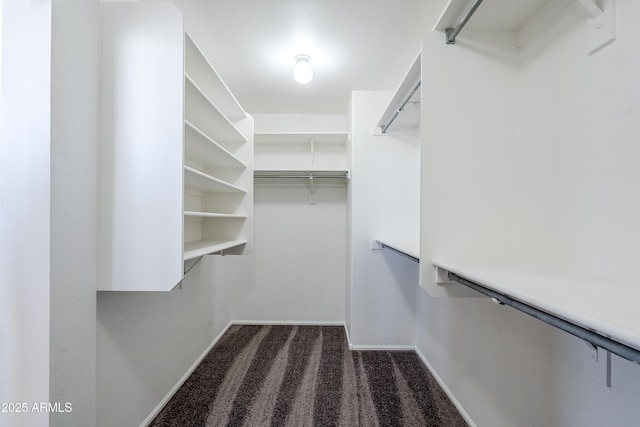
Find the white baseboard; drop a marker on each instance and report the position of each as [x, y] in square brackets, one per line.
[446, 389]
[288, 322]
[376, 347]
[181, 381]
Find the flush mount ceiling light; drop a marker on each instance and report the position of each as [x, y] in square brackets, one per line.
[302, 71]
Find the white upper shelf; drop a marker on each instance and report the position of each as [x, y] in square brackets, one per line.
[207, 247]
[410, 115]
[199, 67]
[492, 14]
[207, 151]
[610, 309]
[301, 137]
[201, 181]
[204, 113]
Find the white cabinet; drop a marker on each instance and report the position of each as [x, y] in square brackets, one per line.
[175, 152]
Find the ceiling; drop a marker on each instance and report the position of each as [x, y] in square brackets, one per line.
[353, 45]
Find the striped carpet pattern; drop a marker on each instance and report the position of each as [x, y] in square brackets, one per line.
[306, 376]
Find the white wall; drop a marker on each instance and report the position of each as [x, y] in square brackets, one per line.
[570, 177]
[74, 130]
[469, 120]
[383, 201]
[24, 209]
[579, 158]
[146, 341]
[48, 210]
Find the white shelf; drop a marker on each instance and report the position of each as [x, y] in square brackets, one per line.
[207, 247]
[610, 309]
[197, 214]
[208, 152]
[408, 247]
[409, 117]
[201, 181]
[301, 137]
[199, 67]
[317, 172]
[201, 111]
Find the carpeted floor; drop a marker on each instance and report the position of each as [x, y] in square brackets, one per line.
[306, 376]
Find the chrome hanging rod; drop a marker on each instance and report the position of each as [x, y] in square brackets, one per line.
[399, 252]
[452, 33]
[302, 176]
[587, 335]
[383, 129]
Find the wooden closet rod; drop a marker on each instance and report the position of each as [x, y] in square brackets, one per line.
[451, 33]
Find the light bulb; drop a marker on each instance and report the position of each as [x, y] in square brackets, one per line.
[302, 71]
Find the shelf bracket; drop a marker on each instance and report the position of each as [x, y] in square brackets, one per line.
[313, 152]
[188, 265]
[312, 188]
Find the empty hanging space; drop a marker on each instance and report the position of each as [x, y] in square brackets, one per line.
[511, 186]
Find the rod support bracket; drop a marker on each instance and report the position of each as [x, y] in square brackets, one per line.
[449, 39]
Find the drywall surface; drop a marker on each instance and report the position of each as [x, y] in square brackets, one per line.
[469, 151]
[580, 117]
[74, 143]
[574, 213]
[298, 257]
[24, 209]
[383, 201]
[146, 341]
[299, 122]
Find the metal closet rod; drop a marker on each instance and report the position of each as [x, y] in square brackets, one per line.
[302, 176]
[399, 252]
[451, 33]
[587, 335]
[383, 129]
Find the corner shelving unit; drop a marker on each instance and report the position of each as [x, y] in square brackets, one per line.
[176, 152]
[217, 181]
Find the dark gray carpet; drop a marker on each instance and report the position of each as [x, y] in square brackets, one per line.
[306, 376]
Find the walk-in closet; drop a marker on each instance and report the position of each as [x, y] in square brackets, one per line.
[285, 213]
